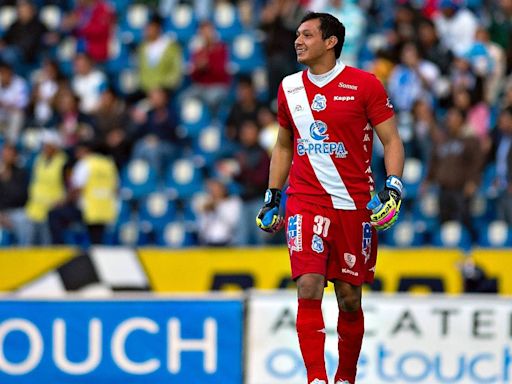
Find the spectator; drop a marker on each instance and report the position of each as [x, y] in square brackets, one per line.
[14, 97]
[425, 130]
[159, 59]
[13, 195]
[113, 128]
[91, 199]
[209, 69]
[72, 125]
[92, 22]
[46, 187]
[45, 86]
[503, 180]
[412, 79]
[279, 20]
[23, 42]
[251, 173]
[430, 46]
[456, 26]
[500, 29]
[87, 83]
[157, 131]
[245, 107]
[455, 167]
[219, 217]
[477, 112]
[269, 129]
[354, 20]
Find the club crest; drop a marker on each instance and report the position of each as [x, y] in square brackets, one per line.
[350, 259]
[317, 244]
[319, 103]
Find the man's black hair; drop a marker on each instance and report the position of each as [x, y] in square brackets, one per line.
[330, 26]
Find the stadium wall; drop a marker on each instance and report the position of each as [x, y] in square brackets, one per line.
[50, 271]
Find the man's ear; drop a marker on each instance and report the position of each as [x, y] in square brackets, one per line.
[331, 42]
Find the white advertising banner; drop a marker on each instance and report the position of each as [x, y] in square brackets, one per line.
[408, 339]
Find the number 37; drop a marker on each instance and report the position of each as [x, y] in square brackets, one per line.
[321, 226]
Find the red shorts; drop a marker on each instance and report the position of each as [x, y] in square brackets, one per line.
[338, 244]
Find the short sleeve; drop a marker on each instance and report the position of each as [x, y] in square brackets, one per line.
[378, 105]
[283, 116]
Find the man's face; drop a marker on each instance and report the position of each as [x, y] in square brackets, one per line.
[309, 43]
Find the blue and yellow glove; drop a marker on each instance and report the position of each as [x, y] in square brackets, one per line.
[268, 218]
[385, 205]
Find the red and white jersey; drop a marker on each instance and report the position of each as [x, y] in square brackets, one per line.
[333, 135]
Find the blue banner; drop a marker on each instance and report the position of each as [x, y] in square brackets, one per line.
[129, 342]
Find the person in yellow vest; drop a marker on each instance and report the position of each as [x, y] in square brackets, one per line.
[46, 188]
[92, 196]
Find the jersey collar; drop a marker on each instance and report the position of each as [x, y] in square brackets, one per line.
[325, 78]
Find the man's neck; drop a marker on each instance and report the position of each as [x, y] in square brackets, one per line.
[321, 68]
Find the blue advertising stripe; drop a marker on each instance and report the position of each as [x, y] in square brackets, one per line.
[129, 342]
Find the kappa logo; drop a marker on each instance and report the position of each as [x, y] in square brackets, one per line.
[344, 98]
[350, 259]
[319, 103]
[347, 86]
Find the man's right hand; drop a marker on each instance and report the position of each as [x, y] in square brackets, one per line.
[268, 218]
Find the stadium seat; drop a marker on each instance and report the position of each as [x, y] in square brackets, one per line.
[182, 22]
[138, 180]
[246, 54]
[155, 211]
[66, 52]
[496, 234]
[51, 16]
[208, 144]
[452, 234]
[133, 23]
[175, 235]
[183, 179]
[226, 19]
[118, 57]
[404, 233]
[127, 81]
[7, 17]
[194, 116]
[5, 238]
[412, 177]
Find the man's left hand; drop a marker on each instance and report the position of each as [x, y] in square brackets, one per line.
[385, 205]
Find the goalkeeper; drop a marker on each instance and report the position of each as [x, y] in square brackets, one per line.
[327, 115]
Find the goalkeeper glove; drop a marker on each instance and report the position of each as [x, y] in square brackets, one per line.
[268, 218]
[385, 205]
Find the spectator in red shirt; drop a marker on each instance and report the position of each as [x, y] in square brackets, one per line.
[92, 21]
[208, 68]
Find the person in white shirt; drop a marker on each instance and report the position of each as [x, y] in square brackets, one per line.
[87, 83]
[14, 97]
[219, 216]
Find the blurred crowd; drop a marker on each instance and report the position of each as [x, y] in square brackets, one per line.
[151, 122]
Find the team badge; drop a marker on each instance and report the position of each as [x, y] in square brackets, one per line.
[319, 103]
[317, 244]
[350, 259]
[294, 233]
[367, 241]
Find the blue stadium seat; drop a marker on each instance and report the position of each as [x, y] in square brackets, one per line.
[183, 179]
[7, 17]
[51, 16]
[194, 116]
[208, 144]
[246, 54]
[175, 235]
[155, 211]
[133, 23]
[5, 237]
[65, 54]
[404, 233]
[496, 234]
[226, 19]
[182, 22]
[425, 210]
[119, 56]
[414, 172]
[138, 180]
[452, 234]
